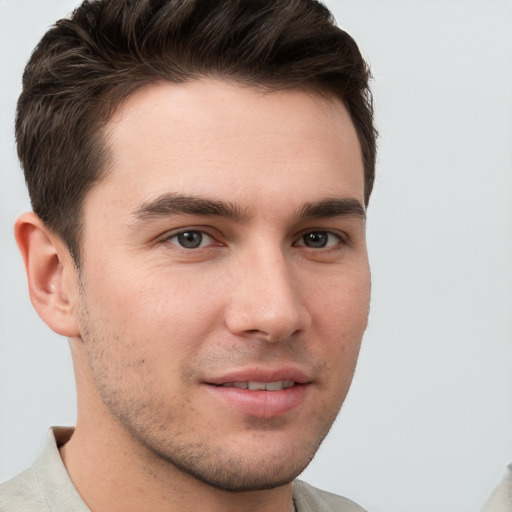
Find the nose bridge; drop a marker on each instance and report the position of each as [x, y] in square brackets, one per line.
[265, 300]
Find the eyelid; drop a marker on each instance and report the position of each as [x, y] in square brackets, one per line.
[205, 232]
[341, 236]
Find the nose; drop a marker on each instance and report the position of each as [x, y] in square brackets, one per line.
[265, 301]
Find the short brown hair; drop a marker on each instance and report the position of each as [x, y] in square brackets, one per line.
[87, 64]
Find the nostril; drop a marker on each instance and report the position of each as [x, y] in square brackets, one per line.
[262, 335]
[267, 307]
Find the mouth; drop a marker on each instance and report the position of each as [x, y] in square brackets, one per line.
[260, 393]
[260, 379]
[253, 385]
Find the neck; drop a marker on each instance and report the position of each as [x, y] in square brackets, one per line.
[113, 472]
[111, 475]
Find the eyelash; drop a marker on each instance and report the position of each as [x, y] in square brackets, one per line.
[189, 232]
[339, 240]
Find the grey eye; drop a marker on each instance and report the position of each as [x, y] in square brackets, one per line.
[189, 239]
[316, 239]
[319, 240]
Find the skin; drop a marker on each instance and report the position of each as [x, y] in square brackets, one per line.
[153, 324]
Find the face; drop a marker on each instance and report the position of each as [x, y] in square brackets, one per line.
[225, 281]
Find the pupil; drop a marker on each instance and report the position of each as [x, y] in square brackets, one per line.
[190, 239]
[316, 239]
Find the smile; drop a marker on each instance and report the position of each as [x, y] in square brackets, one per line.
[264, 398]
[252, 385]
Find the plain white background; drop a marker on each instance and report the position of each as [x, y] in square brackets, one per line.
[427, 426]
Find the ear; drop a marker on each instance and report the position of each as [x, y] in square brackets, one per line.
[51, 273]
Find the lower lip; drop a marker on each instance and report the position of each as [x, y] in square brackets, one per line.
[262, 404]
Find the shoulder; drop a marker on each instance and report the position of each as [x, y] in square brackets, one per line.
[23, 493]
[501, 498]
[310, 499]
[46, 486]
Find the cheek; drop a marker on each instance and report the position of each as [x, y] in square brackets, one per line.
[132, 293]
[340, 318]
[342, 303]
[161, 317]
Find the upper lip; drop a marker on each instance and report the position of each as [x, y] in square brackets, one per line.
[260, 375]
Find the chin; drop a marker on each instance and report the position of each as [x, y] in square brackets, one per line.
[252, 468]
[243, 480]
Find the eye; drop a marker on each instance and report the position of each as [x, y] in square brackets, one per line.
[319, 240]
[191, 239]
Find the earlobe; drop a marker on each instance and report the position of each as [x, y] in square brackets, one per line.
[51, 274]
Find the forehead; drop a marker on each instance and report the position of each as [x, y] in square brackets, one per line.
[221, 139]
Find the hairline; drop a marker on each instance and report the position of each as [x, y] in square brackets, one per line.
[100, 126]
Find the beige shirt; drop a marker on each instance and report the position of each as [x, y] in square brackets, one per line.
[501, 499]
[46, 487]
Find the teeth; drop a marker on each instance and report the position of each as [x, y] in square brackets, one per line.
[274, 386]
[256, 386]
[261, 386]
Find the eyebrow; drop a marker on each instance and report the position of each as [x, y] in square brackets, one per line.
[333, 207]
[176, 204]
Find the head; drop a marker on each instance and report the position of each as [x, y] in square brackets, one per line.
[86, 66]
[200, 172]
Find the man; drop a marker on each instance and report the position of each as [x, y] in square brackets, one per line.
[199, 173]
